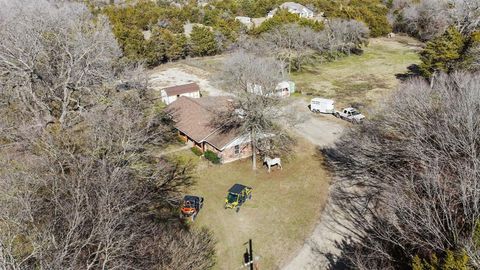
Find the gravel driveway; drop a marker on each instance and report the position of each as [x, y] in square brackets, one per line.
[322, 130]
[182, 74]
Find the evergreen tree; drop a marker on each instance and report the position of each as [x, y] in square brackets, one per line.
[442, 53]
[202, 42]
[451, 261]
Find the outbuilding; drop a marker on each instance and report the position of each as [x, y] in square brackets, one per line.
[170, 94]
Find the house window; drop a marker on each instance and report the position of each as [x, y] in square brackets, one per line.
[237, 149]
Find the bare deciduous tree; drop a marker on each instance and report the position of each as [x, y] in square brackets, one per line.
[91, 198]
[466, 15]
[345, 36]
[54, 57]
[427, 19]
[408, 180]
[291, 44]
[256, 108]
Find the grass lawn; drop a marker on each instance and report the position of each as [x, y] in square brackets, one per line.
[360, 79]
[285, 206]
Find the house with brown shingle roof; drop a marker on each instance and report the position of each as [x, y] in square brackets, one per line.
[194, 120]
[170, 94]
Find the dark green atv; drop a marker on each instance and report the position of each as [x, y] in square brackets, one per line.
[237, 195]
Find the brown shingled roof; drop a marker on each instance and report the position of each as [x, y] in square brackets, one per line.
[181, 89]
[194, 118]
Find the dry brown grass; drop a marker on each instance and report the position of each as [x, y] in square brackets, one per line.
[360, 79]
[285, 207]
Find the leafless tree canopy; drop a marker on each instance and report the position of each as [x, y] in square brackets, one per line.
[345, 36]
[53, 57]
[253, 79]
[295, 45]
[84, 192]
[91, 198]
[427, 19]
[408, 180]
[290, 43]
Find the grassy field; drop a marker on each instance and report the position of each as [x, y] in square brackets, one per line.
[285, 206]
[360, 79]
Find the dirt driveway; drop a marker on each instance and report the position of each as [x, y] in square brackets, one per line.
[321, 130]
[177, 74]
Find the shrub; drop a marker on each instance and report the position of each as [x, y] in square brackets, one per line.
[213, 157]
[196, 151]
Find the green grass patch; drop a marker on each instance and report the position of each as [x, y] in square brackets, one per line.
[196, 151]
[360, 79]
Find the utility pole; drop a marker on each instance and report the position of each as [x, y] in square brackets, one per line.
[248, 256]
[251, 253]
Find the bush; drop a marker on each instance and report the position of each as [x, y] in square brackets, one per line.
[213, 157]
[196, 151]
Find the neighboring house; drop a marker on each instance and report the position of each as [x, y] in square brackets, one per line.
[194, 120]
[294, 8]
[170, 94]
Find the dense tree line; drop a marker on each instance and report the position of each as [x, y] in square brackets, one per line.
[450, 28]
[164, 22]
[408, 179]
[296, 45]
[78, 189]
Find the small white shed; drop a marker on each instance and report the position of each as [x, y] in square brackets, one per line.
[322, 105]
[285, 88]
[170, 94]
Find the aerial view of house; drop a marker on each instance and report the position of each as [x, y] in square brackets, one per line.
[240, 134]
[195, 121]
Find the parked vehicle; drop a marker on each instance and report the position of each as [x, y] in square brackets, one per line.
[191, 206]
[350, 114]
[322, 105]
[237, 195]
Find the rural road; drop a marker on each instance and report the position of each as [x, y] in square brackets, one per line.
[322, 130]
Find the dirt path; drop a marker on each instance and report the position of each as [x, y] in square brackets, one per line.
[177, 74]
[321, 130]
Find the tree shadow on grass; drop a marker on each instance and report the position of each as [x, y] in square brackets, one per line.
[413, 71]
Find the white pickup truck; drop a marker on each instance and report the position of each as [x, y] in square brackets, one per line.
[350, 114]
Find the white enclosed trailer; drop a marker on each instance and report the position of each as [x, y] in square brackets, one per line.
[322, 105]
